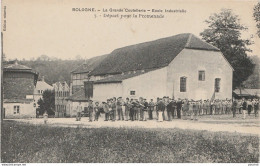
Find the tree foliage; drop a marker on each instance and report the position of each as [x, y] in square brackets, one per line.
[253, 81]
[52, 69]
[47, 103]
[257, 17]
[224, 31]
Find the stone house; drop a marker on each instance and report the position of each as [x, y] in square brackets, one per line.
[19, 82]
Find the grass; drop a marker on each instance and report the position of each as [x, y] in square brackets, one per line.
[26, 143]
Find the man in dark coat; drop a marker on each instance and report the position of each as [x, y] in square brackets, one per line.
[179, 105]
[170, 111]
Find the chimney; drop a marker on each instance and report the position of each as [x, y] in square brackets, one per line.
[43, 78]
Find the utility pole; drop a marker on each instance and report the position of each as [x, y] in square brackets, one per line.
[2, 88]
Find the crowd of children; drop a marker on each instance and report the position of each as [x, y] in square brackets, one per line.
[166, 109]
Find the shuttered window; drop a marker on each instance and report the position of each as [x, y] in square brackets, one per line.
[183, 81]
[88, 89]
[132, 92]
[201, 75]
[217, 84]
[16, 109]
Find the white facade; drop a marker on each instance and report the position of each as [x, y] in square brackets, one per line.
[149, 85]
[71, 107]
[188, 64]
[19, 110]
[101, 92]
[166, 81]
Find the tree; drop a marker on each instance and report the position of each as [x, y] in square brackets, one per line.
[253, 81]
[257, 17]
[43, 58]
[47, 103]
[224, 32]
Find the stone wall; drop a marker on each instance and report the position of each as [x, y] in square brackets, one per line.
[18, 85]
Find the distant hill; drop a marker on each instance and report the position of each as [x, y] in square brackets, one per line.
[53, 70]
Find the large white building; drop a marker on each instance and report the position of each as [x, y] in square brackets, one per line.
[181, 66]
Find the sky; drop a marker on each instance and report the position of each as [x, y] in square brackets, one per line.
[50, 27]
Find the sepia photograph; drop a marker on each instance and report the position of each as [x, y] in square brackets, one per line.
[112, 81]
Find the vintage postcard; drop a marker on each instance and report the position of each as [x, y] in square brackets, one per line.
[110, 81]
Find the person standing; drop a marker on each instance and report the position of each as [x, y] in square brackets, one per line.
[137, 110]
[196, 110]
[161, 108]
[191, 103]
[185, 109]
[156, 107]
[249, 106]
[127, 109]
[212, 107]
[200, 107]
[45, 117]
[141, 108]
[79, 111]
[113, 106]
[119, 109]
[240, 106]
[179, 106]
[244, 108]
[229, 106]
[204, 107]
[109, 103]
[96, 111]
[151, 109]
[170, 107]
[106, 110]
[256, 107]
[145, 110]
[91, 110]
[132, 109]
[234, 107]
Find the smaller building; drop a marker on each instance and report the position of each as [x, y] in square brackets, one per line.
[78, 98]
[246, 93]
[62, 91]
[41, 86]
[19, 82]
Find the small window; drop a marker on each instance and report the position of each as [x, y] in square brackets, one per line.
[201, 75]
[16, 109]
[183, 84]
[78, 76]
[217, 84]
[132, 92]
[39, 91]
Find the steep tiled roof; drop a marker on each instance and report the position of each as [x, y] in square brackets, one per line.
[42, 85]
[89, 64]
[16, 66]
[78, 96]
[149, 55]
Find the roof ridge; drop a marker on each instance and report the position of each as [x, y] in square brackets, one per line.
[188, 40]
[206, 42]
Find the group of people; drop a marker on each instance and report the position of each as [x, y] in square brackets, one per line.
[165, 108]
